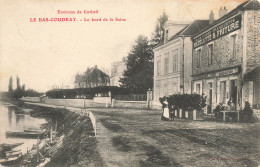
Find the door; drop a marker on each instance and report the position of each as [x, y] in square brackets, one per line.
[209, 107]
[223, 92]
[233, 92]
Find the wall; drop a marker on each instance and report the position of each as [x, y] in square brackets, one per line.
[66, 102]
[221, 54]
[31, 99]
[167, 83]
[82, 103]
[105, 100]
[130, 104]
[187, 65]
[253, 39]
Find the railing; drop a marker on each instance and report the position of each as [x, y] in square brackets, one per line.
[93, 121]
[132, 97]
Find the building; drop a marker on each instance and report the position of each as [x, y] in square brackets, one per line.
[172, 59]
[226, 58]
[117, 70]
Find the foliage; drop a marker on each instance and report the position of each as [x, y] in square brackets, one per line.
[10, 86]
[158, 35]
[185, 102]
[88, 93]
[20, 91]
[138, 77]
[92, 77]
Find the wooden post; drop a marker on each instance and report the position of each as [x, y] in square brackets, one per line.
[186, 114]
[194, 115]
[180, 113]
[51, 134]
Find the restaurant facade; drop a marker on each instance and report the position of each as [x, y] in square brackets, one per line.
[225, 58]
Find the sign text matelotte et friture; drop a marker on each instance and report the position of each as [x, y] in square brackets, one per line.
[218, 31]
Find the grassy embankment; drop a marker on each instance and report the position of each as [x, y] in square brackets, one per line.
[74, 144]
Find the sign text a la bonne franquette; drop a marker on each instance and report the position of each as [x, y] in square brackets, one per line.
[218, 31]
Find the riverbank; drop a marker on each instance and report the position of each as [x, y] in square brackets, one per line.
[74, 143]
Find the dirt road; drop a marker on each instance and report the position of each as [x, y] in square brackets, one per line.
[128, 137]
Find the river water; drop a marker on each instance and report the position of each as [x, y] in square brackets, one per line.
[11, 120]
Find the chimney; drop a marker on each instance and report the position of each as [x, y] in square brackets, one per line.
[222, 12]
[211, 17]
[166, 35]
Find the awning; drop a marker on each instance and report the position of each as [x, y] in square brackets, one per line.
[252, 74]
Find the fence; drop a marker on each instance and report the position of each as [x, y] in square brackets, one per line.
[132, 97]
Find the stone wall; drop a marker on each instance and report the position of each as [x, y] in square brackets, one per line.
[105, 100]
[81, 103]
[66, 102]
[129, 104]
[31, 99]
[253, 39]
[221, 54]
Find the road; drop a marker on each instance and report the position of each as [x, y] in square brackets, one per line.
[128, 137]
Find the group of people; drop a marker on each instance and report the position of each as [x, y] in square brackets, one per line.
[245, 115]
[168, 112]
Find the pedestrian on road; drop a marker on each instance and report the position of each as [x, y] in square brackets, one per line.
[172, 109]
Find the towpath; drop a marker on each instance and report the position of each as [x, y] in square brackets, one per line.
[130, 137]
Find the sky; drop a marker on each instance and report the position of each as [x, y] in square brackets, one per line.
[44, 54]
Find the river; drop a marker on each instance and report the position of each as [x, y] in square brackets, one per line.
[11, 120]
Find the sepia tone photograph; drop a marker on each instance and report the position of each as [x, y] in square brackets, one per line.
[136, 83]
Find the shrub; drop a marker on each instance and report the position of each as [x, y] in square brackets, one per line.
[185, 101]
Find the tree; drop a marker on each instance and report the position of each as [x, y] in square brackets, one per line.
[138, 76]
[10, 87]
[92, 77]
[18, 92]
[18, 83]
[158, 34]
[79, 81]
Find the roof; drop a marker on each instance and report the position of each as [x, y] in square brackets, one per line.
[247, 5]
[189, 30]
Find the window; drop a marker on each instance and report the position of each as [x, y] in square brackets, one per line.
[198, 88]
[166, 63]
[198, 58]
[159, 66]
[175, 60]
[233, 47]
[210, 54]
[223, 92]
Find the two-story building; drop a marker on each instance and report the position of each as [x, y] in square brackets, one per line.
[117, 70]
[226, 58]
[172, 59]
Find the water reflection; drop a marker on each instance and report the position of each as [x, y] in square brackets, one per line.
[10, 120]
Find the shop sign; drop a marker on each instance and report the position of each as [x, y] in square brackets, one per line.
[218, 74]
[218, 31]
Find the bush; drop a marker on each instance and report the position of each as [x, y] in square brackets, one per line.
[185, 102]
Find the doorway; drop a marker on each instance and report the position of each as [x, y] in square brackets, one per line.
[233, 92]
[209, 106]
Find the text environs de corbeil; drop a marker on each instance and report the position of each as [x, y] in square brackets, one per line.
[77, 12]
